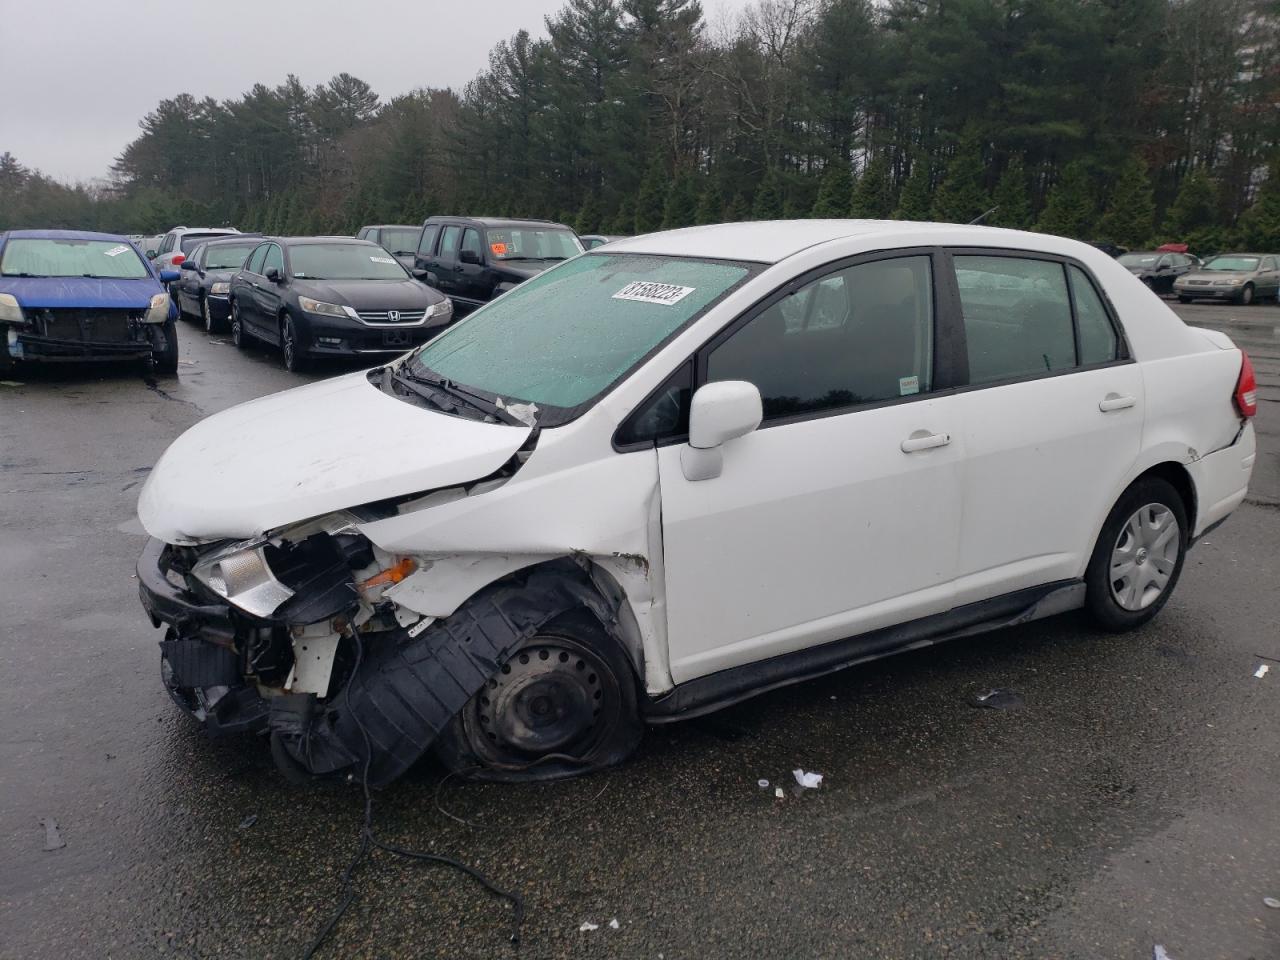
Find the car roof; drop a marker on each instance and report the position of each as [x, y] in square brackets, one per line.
[392, 226]
[300, 241]
[498, 221]
[772, 241]
[63, 235]
[236, 238]
[204, 230]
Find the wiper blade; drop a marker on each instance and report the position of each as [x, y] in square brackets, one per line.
[451, 389]
[28, 276]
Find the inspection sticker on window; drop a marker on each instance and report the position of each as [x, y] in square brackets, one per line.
[908, 386]
[115, 251]
[382, 259]
[645, 291]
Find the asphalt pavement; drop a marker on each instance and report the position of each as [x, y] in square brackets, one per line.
[1130, 801]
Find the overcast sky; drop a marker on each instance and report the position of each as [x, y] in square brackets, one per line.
[80, 74]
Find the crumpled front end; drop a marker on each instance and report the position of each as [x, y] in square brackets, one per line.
[293, 637]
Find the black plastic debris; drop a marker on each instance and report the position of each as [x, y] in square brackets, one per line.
[52, 838]
[248, 821]
[997, 699]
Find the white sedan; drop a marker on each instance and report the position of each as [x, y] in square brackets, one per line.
[668, 475]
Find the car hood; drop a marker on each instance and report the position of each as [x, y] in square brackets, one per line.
[220, 276]
[525, 269]
[307, 452]
[81, 292]
[370, 294]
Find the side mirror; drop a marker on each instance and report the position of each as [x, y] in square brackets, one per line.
[189, 265]
[169, 276]
[274, 275]
[151, 254]
[469, 256]
[720, 412]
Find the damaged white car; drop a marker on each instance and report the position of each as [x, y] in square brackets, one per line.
[670, 475]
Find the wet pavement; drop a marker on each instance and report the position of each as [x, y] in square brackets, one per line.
[1129, 800]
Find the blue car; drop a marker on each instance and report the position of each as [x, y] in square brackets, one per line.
[71, 295]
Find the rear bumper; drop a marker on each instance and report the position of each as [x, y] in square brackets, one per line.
[1221, 479]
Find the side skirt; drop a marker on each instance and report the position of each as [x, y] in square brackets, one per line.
[704, 694]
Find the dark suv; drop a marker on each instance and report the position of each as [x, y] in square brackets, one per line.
[474, 259]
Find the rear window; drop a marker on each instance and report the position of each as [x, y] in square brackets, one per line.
[228, 256]
[109, 259]
[192, 240]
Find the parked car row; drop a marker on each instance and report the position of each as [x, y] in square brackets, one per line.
[1243, 278]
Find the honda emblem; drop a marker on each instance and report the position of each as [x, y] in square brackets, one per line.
[393, 316]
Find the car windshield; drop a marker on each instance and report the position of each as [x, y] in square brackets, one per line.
[344, 261]
[402, 241]
[190, 241]
[567, 335]
[533, 243]
[228, 256]
[1232, 263]
[1139, 259]
[61, 257]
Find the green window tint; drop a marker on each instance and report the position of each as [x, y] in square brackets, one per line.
[568, 334]
[1097, 336]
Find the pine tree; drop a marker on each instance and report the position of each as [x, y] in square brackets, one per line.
[1129, 219]
[835, 191]
[738, 210]
[1260, 224]
[960, 197]
[873, 193]
[1011, 200]
[1194, 208]
[651, 202]
[1069, 210]
[589, 215]
[710, 203]
[768, 202]
[624, 221]
[914, 203]
[681, 208]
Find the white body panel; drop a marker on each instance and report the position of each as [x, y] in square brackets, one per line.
[812, 532]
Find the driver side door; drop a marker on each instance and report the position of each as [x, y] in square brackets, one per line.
[841, 513]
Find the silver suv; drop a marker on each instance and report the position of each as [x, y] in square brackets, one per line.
[180, 242]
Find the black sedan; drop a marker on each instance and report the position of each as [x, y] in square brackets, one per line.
[1158, 269]
[205, 284]
[331, 296]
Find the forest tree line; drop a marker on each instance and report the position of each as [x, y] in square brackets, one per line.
[1130, 121]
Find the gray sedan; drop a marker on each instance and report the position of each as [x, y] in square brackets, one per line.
[1241, 277]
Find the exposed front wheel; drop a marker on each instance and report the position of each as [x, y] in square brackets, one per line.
[211, 323]
[1246, 296]
[238, 335]
[565, 703]
[1138, 558]
[1182, 299]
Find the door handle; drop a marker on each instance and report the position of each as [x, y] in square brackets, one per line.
[924, 440]
[1113, 401]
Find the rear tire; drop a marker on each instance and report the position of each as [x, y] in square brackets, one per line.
[564, 704]
[1139, 555]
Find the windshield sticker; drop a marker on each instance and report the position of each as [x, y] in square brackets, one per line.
[646, 291]
[115, 251]
[383, 259]
[908, 386]
[499, 249]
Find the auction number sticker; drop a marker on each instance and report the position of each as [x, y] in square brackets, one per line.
[383, 259]
[115, 251]
[646, 291]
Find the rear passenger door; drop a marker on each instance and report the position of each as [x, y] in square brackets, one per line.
[841, 513]
[1052, 419]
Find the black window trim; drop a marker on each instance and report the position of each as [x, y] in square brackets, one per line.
[1124, 353]
[249, 259]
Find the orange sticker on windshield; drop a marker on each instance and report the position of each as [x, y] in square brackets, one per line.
[499, 249]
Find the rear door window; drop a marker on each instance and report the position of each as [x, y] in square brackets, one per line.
[1098, 340]
[1017, 317]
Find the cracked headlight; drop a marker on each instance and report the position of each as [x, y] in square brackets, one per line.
[158, 311]
[321, 308]
[10, 309]
[220, 289]
[240, 575]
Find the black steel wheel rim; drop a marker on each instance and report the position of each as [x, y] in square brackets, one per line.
[554, 696]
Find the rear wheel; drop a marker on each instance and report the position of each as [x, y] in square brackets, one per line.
[1138, 558]
[565, 703]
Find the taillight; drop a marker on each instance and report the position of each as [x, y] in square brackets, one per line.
[178, 258]
[1246, 395]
